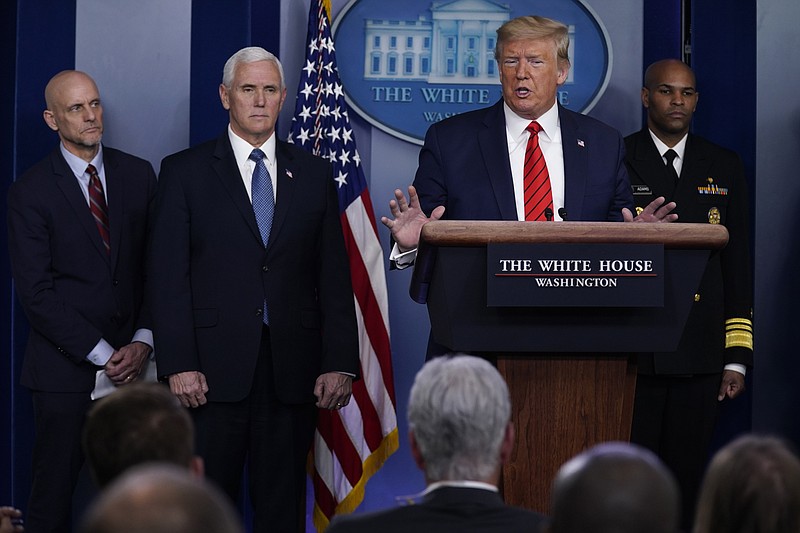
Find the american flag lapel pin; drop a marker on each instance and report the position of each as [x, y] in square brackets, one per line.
[581, 143]
[289, 173]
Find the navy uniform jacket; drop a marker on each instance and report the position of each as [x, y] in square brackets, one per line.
[711, 189]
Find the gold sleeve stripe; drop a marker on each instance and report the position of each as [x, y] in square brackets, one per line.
[739, 333]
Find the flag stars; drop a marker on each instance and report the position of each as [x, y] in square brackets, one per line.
[309, 68]
[357, 159]
[341, 179]
[305, 113]
[328, 89]
[303, 137]
[307, 90]
[347, 135]
[337, 113]
[345, 157]
[334, 134]
[338, 91]
[329, 68]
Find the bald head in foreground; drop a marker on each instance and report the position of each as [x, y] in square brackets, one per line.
[161, 498]
[614, 487]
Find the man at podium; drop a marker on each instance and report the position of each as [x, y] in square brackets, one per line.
[524, 158]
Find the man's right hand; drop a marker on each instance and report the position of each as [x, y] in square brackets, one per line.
[408, 219]
[189, 387]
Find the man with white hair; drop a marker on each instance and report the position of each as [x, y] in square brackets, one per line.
[460, 435]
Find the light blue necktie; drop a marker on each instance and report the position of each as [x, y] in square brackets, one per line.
[263, 202]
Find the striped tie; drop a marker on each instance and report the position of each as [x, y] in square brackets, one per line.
[97, 205]
[538, 195]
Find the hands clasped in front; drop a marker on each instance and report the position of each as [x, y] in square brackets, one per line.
[126, 363]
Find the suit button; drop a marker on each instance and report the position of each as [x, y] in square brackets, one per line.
[265, 268]
[115, 282]
[259, 312]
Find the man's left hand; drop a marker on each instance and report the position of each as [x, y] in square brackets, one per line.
[126, 363]
[333, 390]
[656, 211]
[732, 384]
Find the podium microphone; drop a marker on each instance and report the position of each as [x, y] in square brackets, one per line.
[548, 214]
[562, 212]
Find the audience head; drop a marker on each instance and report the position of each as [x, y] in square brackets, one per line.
[459, 420]
[614, 487]
[138, 423]
[751, 486]
[161, 498]
[533, 57]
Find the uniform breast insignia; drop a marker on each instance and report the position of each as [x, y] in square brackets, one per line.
[714, 216]
[639, 210]
[711, 188]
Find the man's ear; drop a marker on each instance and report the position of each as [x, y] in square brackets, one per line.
[223, 96]
[507, 445]
[415, 451]
[50, 119]
[197, 467]
[645, 97]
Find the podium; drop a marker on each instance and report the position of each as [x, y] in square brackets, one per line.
[571, 371]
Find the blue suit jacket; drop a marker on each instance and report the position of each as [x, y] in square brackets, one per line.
[464, 166]
[72, 292]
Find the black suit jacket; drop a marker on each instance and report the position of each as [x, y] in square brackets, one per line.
[445, 510]
[72, 292]
[210, 273]
[464, 166]
[711, 188]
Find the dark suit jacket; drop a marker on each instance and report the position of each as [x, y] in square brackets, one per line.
[210, 273]
[464, 166]
[445, 510]
[72, 292]
[725, 291]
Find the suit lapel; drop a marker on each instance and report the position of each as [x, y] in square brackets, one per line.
[287, 179]
[493, 146]
[115, 195]
[649, 167]
[576, 164]
[224, 164]
[70, 188]
[695, 165]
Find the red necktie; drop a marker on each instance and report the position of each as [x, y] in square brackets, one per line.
[97, 205]
[538, 195]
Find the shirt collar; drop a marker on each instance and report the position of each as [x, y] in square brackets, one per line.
[78, 165]
[680, 147]
[242, 149]
[516, 125]
[464, 484]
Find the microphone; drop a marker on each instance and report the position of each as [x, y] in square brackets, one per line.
[562, 212]
[548, 214]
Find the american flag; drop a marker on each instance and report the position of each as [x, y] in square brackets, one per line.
[350, 444]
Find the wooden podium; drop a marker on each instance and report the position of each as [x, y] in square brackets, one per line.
[571, 371]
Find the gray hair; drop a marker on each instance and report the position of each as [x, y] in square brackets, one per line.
[458, 412]
[251, 54]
